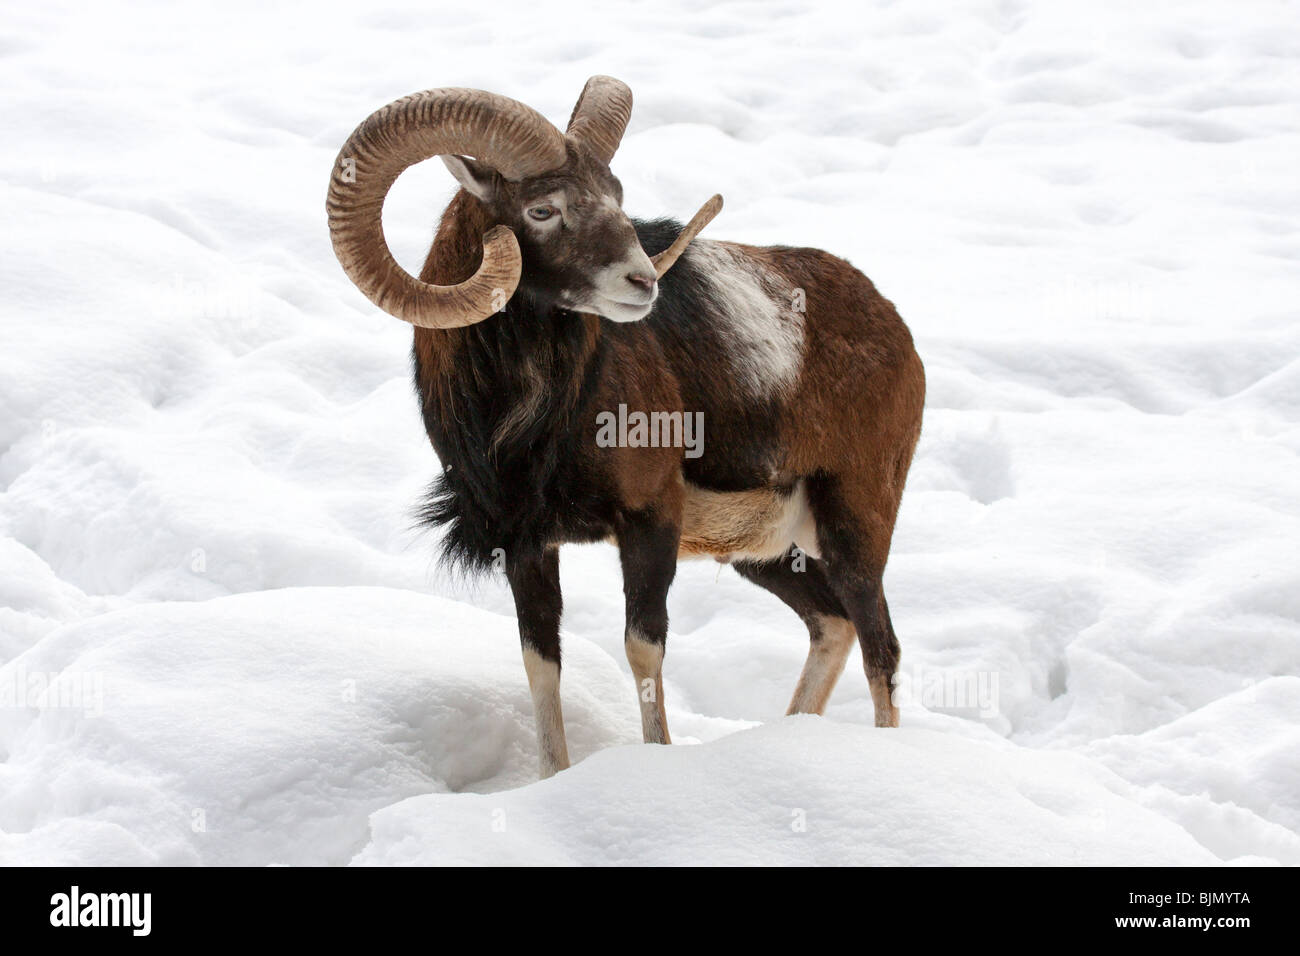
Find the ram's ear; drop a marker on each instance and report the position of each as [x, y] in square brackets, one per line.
[478, 178]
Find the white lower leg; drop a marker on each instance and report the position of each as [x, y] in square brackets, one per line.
[882, 697]
[544, 685]
[647, 660]
[833, 638]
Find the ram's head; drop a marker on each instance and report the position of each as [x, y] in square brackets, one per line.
[559, 226]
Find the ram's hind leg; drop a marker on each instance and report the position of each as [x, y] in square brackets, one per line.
[830, 640]
[802, 584]
[854, 531]
[880, 650]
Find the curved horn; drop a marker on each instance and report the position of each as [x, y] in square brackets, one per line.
[505, 134]
[664, 260]
[601, 116]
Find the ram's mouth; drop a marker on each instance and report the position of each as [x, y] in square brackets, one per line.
[617, 311]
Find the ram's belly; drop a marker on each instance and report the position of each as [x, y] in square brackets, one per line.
[761, 524]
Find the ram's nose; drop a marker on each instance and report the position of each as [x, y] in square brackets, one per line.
[642, 281]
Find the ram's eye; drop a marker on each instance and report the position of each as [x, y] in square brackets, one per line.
[542, 213]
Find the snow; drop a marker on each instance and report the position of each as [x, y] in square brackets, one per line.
[223, 641]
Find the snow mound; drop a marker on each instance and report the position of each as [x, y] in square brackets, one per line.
[801, 791]
[265, 728]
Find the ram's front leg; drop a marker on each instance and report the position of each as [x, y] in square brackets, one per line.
[535, 582]
[647, 544]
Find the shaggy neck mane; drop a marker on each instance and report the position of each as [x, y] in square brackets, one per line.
[501, 401]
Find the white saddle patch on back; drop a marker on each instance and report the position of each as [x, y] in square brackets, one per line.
[763, 329]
